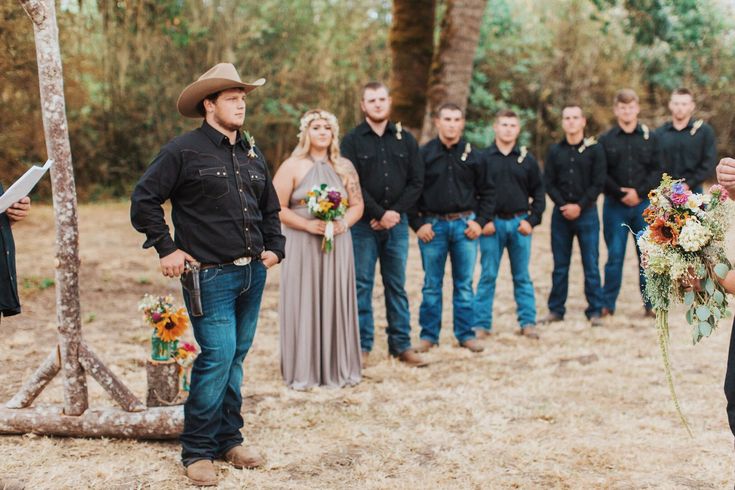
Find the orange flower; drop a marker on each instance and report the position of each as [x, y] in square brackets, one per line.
[172, 325]
[663, 232]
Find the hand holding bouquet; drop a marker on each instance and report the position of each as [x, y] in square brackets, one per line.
[684, 243]
[327, 204]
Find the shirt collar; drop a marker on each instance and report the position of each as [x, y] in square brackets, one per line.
[618, 130]
[495, 150]
[365, 128]
[220, 139]
[670, 125]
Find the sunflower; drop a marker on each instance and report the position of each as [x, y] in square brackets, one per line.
[663, 232]
[172, 325]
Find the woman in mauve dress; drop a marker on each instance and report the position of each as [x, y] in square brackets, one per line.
[320, 340]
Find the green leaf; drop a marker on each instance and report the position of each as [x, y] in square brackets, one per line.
[690, 316]
[716, 313]
[705, 329]
[709, 286]
[703, 313]
[696, 335]
[689, 298]
[718, 297]
[721, 270]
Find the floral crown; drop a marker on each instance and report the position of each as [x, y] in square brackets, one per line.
[313, 116]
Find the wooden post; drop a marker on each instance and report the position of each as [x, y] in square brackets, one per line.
[36, 383]
[163, 384]
[68, 317]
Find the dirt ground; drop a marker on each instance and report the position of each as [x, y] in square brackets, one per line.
[582, 408]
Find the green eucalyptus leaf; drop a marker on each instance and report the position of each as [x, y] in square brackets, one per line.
[696, 335]
[721, 270]
[703, 313]
[717, 314]
[689, 298]
[705, 329]
[718, 297]
[709, 286]
[690, 316]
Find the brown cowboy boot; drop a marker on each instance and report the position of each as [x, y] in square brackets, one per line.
[244, 457]
[409, 357]
[202, 473]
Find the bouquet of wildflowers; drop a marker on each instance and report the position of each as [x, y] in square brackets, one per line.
[327, 204]
[684, 243]
[168, 325]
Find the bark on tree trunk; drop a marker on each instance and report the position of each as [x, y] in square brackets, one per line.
[451, 70]
[154, 423]
[163, 383]
[37, 382]
[51, 82]
[411, 40]
[118, 391]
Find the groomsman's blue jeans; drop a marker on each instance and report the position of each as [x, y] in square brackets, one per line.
[614, 215]
[519, 251]
[587, 230]
[449, 240]
[391, 248]
[231, 302]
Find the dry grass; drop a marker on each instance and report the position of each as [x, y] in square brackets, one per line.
[582, 408]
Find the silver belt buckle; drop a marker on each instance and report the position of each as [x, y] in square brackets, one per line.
[242, 261]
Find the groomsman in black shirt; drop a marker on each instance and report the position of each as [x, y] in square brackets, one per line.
[391, 175]
[688, 145]
[574, 176]
[453, 207]
[517, 179]
[634, 168]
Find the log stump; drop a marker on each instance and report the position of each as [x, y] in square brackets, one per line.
[164, 384]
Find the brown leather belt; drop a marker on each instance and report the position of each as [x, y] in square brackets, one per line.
[511, 215]
[450, 216]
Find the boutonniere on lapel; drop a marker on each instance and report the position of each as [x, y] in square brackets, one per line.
[646, 132]
[697, 124]
[399, 131]
[466, 152]
[524, 152]
[251, 142]
[586, 143]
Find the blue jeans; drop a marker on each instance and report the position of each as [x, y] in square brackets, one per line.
[449, 240]
[587, 230]
[231, 302]
[391, 248]
[614, 215]
[519, 251]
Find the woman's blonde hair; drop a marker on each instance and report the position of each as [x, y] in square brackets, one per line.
[304, 144]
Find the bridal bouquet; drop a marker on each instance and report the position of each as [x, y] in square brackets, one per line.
[682, 245]
[327, 204]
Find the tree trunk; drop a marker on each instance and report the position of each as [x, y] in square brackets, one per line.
[163, 384]
[411, 40]
[154, 423]
[51, 82]
[451, 70]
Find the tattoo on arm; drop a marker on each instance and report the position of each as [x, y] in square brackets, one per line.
[351, 183]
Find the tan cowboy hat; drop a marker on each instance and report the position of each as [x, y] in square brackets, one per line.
[220, 77]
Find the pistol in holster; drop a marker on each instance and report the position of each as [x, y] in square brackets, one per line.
[190, 282]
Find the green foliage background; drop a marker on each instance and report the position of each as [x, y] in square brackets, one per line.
[125, 63]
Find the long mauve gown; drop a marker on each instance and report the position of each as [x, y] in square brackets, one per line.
[320, 340]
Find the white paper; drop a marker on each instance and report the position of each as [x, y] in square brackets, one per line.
[23, 186]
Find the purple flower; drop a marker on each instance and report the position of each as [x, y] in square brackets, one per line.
[335, 198]
[156, 317]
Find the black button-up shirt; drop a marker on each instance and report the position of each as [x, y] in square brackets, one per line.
[633, 160]
[515, 183]
[453, 185]
[223, 202]
[9, 301]
[575, 173]
[688, 156]
[390, 170]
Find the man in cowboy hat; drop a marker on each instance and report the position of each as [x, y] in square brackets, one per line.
[225, 215]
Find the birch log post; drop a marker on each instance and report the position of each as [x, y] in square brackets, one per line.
[37, 382]
[68, 317]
